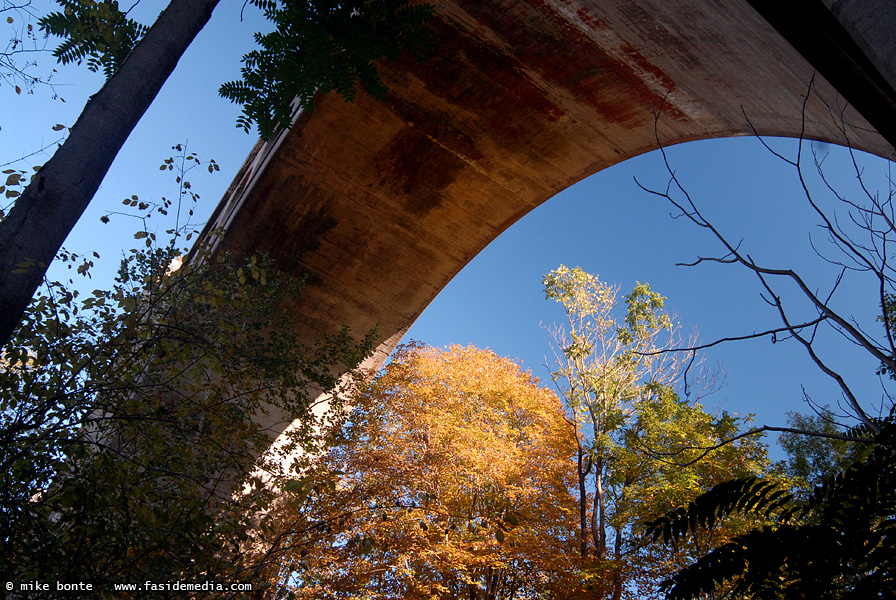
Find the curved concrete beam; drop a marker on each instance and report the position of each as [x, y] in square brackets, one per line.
[382, 203]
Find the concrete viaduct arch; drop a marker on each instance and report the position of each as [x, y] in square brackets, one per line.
[382, 203]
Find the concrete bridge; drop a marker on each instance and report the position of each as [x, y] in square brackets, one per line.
[382, 203]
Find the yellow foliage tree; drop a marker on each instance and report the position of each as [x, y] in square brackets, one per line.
[452, 477]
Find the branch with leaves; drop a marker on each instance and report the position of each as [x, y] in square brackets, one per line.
[17, 59]
[838, 542]
[95, 31]
[319, 46]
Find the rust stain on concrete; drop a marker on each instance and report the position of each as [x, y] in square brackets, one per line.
[414, 167]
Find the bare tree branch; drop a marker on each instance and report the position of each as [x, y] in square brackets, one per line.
[874, 219]
[740, 338]
[705, 450]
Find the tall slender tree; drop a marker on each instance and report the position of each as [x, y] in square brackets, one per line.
[637, 440]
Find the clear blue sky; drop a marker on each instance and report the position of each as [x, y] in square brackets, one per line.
[604, 224]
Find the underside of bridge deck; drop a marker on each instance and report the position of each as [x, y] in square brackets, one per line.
[380, 204]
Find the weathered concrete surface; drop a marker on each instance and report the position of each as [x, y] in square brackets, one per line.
[381, 204]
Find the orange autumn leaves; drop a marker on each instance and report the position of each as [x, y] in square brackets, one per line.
[452, 478]
[454, 475]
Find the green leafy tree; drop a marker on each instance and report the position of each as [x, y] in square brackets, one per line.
[131, 420]
[599, 367]
[816, 446]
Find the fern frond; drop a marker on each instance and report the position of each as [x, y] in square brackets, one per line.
[750, 495]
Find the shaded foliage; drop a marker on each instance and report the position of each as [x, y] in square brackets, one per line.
[95, 30]
[322, 46]
[838, 542]
[811, 455]
[132, 418]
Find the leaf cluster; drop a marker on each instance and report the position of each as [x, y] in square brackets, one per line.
[811, 455]
[95, 30]
[322, 46]
[746, 494]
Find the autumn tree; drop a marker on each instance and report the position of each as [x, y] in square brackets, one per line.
[450, 478]
[315, 54]
[639, 443]
[599, 366]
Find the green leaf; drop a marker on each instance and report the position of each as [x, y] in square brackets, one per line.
[294, 485]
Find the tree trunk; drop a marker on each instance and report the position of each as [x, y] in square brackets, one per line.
[599, 516]
[583, 503]
[617, 573]
[49, 207]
